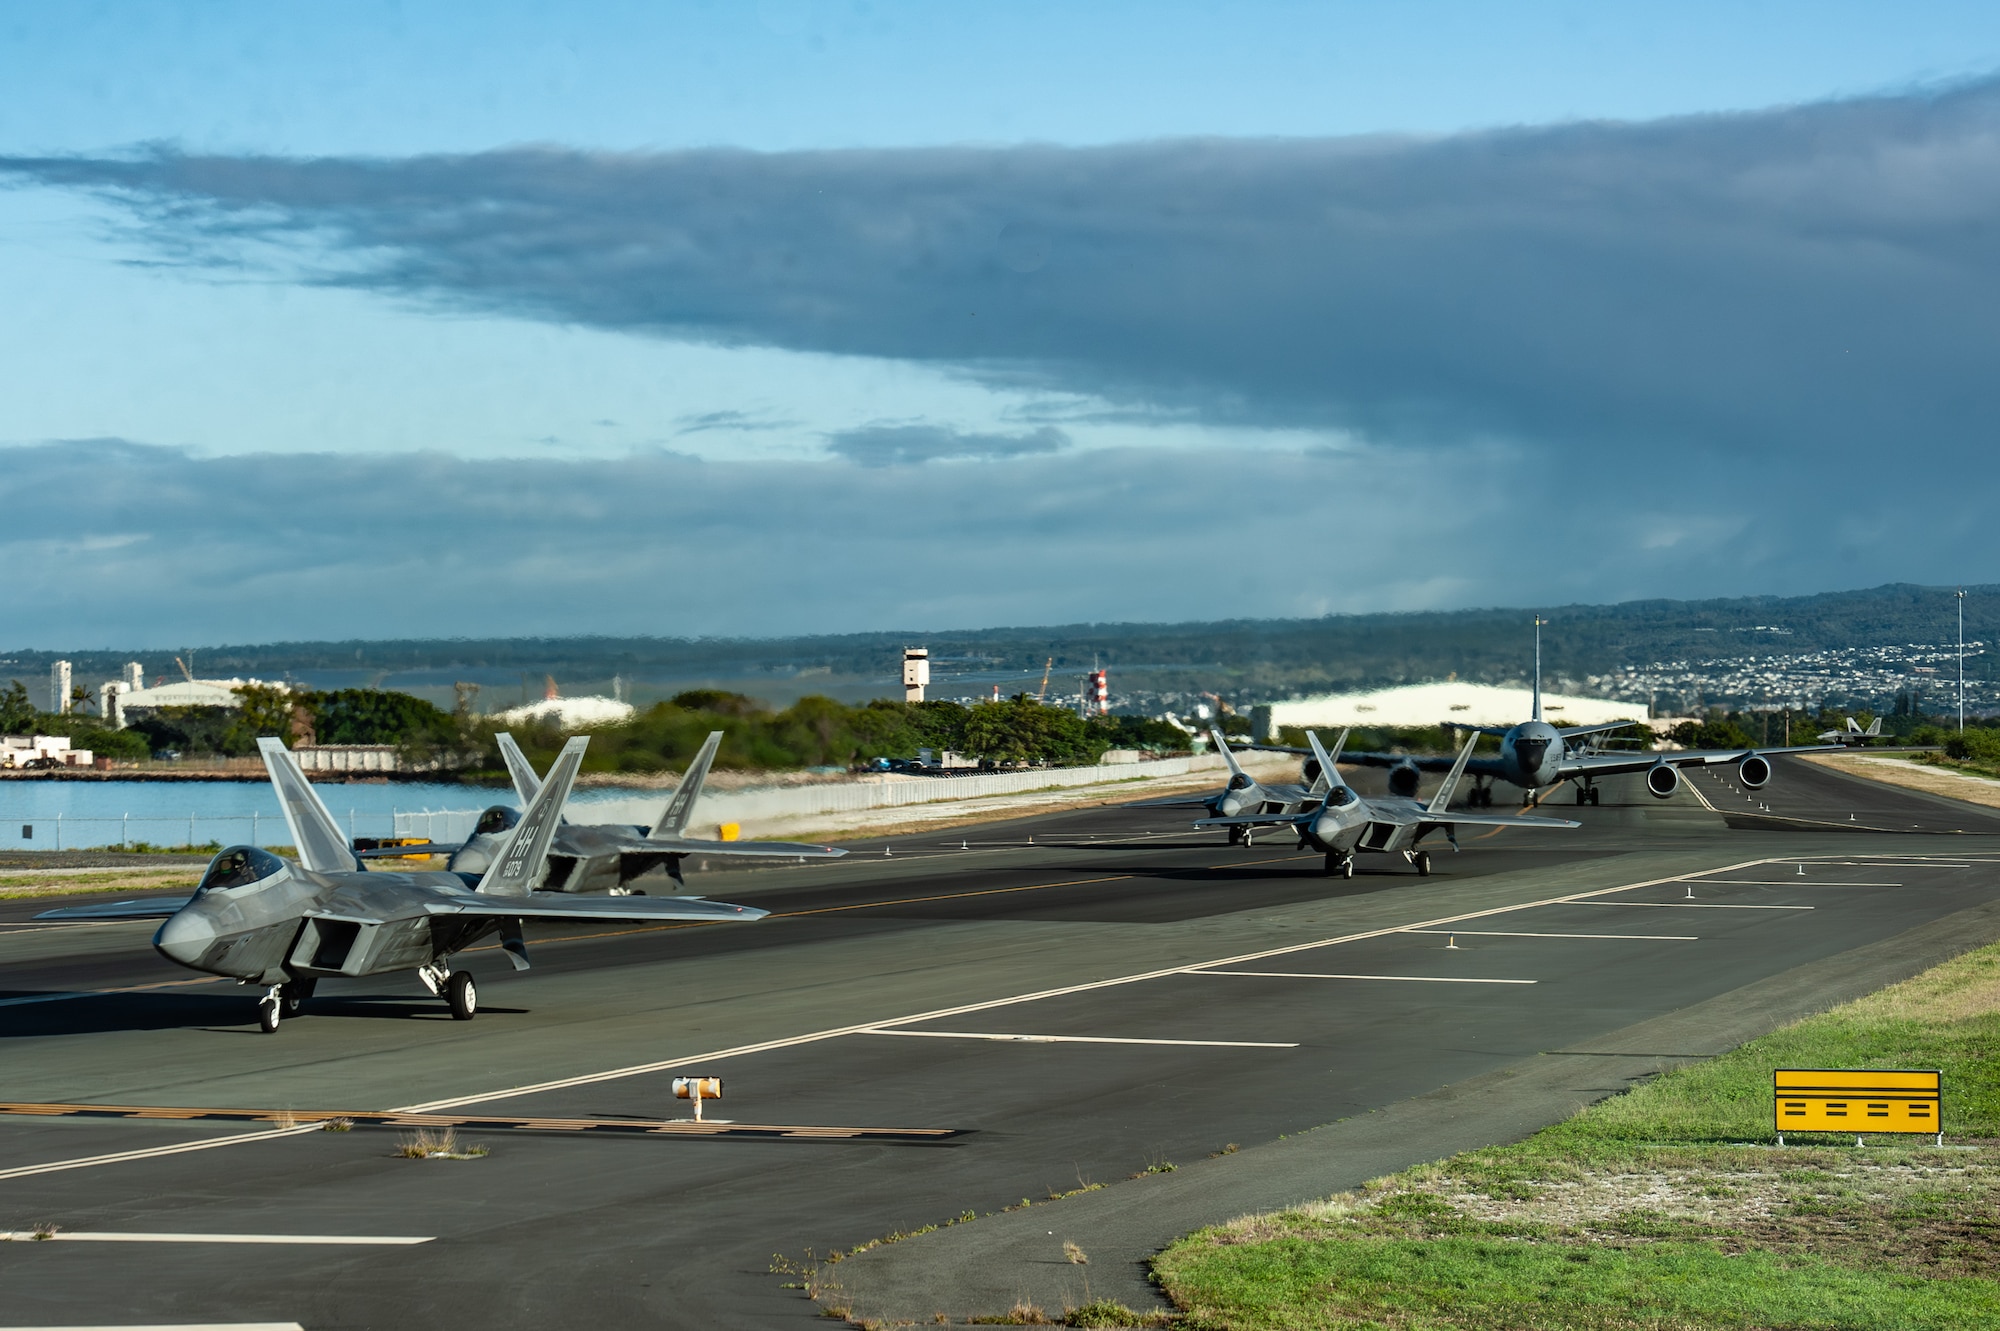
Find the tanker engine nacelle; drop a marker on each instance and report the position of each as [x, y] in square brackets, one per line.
[1754, 771]
[1403, 779]
[1310, 772]
[1663, 780]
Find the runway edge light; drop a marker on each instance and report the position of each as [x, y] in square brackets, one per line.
[697, 1089]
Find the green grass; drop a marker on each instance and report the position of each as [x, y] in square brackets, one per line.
[1296, 1284]
[1667, 1206]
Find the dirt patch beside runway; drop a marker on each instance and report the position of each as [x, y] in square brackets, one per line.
[1902, 772]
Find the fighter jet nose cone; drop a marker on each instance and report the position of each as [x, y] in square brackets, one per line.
[183, 938]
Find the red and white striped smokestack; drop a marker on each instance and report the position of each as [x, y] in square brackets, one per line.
[1101, 689]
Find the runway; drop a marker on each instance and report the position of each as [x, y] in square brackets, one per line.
[963, 1022]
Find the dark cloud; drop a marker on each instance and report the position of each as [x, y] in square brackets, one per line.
[901, 445]
[109, 542]
[1812, 283]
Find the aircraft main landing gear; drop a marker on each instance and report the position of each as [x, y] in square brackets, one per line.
[463, 995]
[1422, 861]
[292, 995]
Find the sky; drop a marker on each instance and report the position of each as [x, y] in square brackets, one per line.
[787, 317]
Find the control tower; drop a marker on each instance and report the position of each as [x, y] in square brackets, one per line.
[916, 673]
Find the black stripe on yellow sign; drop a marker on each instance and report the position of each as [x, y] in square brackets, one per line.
[362, 1118]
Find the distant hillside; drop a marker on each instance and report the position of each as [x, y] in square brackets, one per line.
[1236, 658]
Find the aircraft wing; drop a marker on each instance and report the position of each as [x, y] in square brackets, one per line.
[1258, 820]
[1496, 820]
[150, 908]
[1611, 764]
[790, 850]
[1171, 802]
[563, 906]
[405, 852]
[1424, 762]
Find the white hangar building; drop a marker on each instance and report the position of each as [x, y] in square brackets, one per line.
[1454, 700]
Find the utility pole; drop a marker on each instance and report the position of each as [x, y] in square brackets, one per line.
[1961, 660]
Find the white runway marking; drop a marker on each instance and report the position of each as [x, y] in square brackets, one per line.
[121, 1157]
[1503, 933]
[1087, 1039]
[101, 993]
[1322, 975]
[1780, 882]
[1690, 905]
[107, 1236]
[170, 1326]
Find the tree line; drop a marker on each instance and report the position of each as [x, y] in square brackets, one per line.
[814, 732]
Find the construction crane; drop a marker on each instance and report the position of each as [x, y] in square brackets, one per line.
[1042, 694]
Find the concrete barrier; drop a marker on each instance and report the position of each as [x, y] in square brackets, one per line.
[757, 807]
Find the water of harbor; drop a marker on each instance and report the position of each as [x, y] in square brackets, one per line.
[92, 815]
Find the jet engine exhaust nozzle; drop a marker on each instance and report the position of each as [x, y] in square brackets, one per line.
[1663, 780]
[1754, 771]
[1403, 779]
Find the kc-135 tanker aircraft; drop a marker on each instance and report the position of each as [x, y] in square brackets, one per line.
[1535, 755]
[1344, 824]
[604, 857]
[263, 920]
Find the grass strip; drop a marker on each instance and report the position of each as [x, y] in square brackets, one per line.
[1667, 1206]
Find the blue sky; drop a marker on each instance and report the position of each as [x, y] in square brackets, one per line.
[1355, 281]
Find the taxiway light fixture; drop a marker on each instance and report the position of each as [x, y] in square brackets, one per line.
[697, 1089]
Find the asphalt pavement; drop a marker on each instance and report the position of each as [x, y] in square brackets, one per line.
[1027, 1008]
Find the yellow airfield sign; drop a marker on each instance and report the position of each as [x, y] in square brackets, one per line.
[1859, 1101]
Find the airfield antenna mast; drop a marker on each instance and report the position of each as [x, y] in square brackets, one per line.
[1961, 660]
[1539, 621]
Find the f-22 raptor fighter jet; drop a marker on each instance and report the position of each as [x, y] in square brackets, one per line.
[605, 857]
[1344, 824]
[1852, 735]
[263, 920]
[1243, 796]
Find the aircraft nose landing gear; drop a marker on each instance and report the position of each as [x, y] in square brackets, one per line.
[1339, 866]
[271, 1009]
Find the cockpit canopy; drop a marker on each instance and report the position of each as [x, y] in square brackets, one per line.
[496, 820]
[1338, 796]
[240, 866]
[1239, 782]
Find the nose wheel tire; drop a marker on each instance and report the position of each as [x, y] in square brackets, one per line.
[270, 1011]
[1422, 860]
[463, 995]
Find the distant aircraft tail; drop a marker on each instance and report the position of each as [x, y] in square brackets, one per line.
[315, 835]
[1328, 771]
[1441, 802]
[518, 867]
[526, 783]
[674, 821]
[1221, 744]
[1874, 730]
